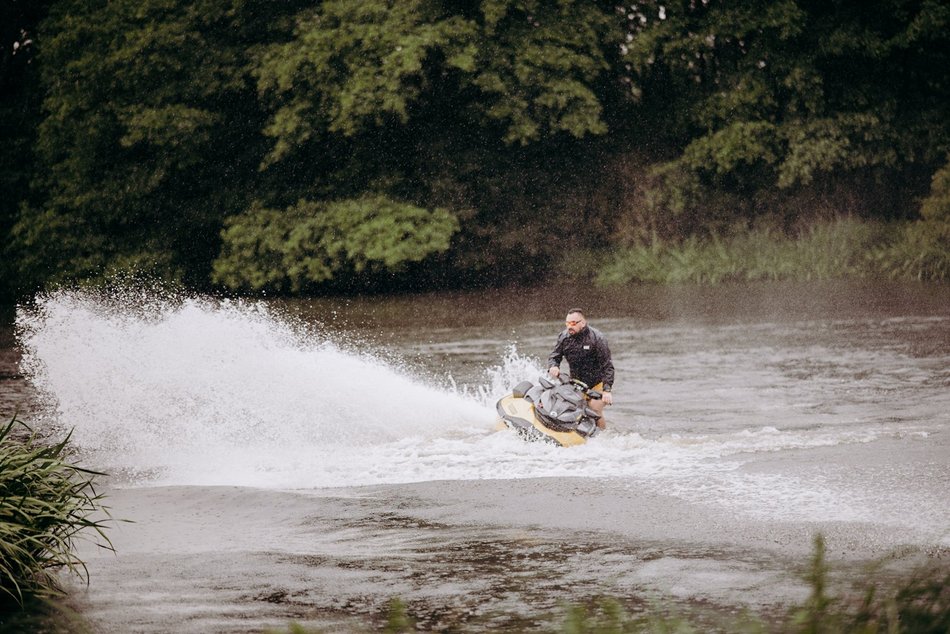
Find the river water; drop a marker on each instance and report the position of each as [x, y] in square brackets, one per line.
[310, 460]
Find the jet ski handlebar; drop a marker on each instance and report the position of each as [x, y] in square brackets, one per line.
[548, 382]
[585, 389]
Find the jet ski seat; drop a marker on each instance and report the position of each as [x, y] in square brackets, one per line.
[561, 402]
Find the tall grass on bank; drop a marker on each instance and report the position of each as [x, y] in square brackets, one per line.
[843, 248]
[921, 252]
[45, 503]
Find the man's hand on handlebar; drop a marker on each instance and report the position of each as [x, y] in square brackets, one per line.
[554, 371]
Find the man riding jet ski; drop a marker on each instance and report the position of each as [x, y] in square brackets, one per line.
[551, 410]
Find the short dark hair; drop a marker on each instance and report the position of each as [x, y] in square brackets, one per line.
[579, 311]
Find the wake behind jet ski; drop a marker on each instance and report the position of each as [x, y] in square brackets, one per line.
[551, 410]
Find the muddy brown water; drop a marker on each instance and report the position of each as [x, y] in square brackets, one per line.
[307, 461]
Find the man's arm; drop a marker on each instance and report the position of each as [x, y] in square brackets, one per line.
[554, 359]
[606, 364]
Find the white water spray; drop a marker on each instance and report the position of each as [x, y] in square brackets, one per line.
[195, 386]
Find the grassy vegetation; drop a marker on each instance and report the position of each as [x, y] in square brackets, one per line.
[842, 248]
[920, 604]
[45, 503]
[46, 615]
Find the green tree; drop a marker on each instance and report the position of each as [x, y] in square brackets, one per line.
[529, 67]
[20, 100]
[153, 132]
[148, 139]
[475, 107]
[781, 98]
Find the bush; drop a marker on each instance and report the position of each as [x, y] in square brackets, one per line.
[922, 249]
[310, 243]
[45, 503]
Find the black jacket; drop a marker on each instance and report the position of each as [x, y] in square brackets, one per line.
[588, 355]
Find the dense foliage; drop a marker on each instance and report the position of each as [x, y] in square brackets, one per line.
[218, 141]
[45, 503]
[311, 242]
[19, 106]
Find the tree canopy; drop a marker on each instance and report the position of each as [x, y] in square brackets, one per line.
[279, 146]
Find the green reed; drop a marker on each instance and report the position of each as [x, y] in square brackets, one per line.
[46, 504]
[841, 248]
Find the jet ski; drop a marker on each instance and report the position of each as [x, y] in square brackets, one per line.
[552, 410]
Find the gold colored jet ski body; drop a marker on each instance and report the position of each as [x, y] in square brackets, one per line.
[552, 410]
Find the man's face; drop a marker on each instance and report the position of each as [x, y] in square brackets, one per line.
[575, 323]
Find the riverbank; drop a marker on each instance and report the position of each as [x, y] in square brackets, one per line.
[840, 249]
[845, 251]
